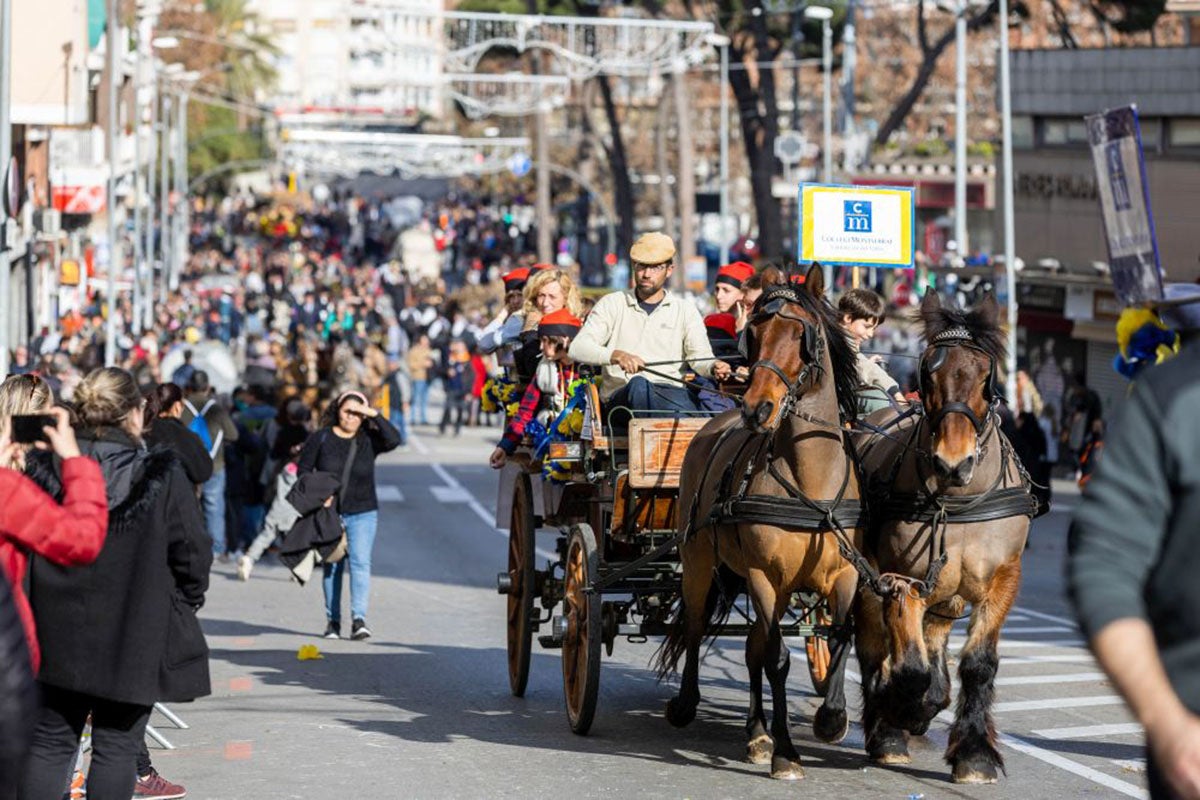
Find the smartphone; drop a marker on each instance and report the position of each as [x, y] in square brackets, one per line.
[27, 428]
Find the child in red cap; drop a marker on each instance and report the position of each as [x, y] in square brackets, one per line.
[546, 394]
[729, 290]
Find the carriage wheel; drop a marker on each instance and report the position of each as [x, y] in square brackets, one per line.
[520, 596]
[817, 650]
[582, 640]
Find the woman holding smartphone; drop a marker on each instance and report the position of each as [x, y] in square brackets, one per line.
[352, 436]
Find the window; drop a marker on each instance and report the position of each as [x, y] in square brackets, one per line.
[1063, 132]
[1151, 128]
[1022, 133]
[1185, 132]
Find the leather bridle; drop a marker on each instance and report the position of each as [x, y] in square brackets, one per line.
[773, 303]
[932, 360]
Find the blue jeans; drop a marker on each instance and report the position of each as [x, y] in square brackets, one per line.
[360, 539]
[641, 394]
[420, 403]
[212, 497]
[396, 417]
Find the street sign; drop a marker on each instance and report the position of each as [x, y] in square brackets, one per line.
[856, 225]
[1116, 141]
[790, 147]
[519, 165]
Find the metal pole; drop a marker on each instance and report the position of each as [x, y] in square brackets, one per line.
[164, 196]
[849, 64]
[1010, 256]
[138, 256]
[687, 176]
[148, 247]
[114, 77]
[960, 129]
[180, 244]
[5, 158]
[724, 199]
[827, 62]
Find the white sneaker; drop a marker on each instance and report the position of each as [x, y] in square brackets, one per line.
[245, 567]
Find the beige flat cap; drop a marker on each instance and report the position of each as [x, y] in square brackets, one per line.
[652, 248]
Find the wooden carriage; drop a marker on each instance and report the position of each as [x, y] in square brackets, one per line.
[617, 572]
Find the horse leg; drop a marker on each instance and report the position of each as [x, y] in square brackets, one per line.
[885, 744]
[937, 632]
[785, 760]
[759, 744]
[831, 723]
[972, 751]
[910, 677]
[698, 564]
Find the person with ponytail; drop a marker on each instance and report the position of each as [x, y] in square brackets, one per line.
[121, 633]
[163, 428]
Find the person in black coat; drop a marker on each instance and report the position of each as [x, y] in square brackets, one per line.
[162, 428]
[120, 634]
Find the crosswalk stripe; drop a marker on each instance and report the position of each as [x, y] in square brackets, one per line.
[1018, 631]
[1074, 658]
[389, 494]
[1058, 702]
[1083, 731]
[1038, 680]
[1016, 644]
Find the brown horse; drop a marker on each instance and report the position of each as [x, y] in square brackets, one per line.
[950, 511]
[765, 488]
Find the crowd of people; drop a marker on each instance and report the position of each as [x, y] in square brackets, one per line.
[295, 351]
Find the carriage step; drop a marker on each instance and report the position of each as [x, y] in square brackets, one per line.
[550, 642]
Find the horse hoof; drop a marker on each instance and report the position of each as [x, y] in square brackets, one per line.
[783, 769]
[760, 749]
[831, 726]
[679, 713]
[978, 772]
[891, 759]
[921, 729]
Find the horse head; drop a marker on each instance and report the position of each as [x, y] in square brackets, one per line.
[958, 384]
[784, 345]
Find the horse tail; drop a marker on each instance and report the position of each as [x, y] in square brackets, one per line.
[718, 605]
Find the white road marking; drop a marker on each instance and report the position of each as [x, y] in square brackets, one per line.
[1020, 644]
[1055, 703]
[1083, 731]
[1018, 630]
[1075, 658]
[1047, 617]
[1054, 759]
[1039, 680]
[450, 494]
[389, 494]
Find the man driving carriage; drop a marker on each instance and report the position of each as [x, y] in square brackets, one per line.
[648, 339]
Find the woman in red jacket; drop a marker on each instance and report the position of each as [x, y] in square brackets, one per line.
[32, 522]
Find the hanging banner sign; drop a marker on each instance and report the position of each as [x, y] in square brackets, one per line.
[856, 225]
[1116, 141]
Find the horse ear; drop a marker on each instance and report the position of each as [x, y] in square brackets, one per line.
[814, 281]
[988, 311]
[931, 302]
[773, 276]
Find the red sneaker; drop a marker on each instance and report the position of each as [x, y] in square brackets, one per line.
[156, 787]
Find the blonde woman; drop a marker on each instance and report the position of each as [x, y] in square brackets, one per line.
[547, 291]
[22, 394]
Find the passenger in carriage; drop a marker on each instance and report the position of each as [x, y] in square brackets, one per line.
[729, 291]
[547, 291]
[862, 311]
[505, 330]
[648, 340]
[547, 394]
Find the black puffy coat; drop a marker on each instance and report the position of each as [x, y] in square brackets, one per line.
[173, 435]
[124, 628]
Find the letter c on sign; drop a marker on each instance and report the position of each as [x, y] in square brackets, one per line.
[856, 208]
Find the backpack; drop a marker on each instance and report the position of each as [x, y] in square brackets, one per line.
[199, 426]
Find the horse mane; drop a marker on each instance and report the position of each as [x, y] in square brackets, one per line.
[842, 356]
[980, 321]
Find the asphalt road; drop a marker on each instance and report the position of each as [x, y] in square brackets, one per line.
[423, 709]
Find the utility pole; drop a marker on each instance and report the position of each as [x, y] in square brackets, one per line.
[545, 241]
[148, 246]
[1010, 255]
[114, 78]
[686, 180]
[164, 199]
[724, 188]
[849, 64]
[6, 156]
[960, 128]
[181, 209]
[138, 254]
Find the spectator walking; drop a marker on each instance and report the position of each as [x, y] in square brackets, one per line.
[420, 364]
[352, 437]
[209, 420]
[140, 595]
[457, 379]
[163, 429]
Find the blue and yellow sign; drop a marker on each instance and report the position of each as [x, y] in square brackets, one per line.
[856, 226]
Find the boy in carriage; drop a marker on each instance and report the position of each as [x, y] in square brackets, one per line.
[547, 394]
[862, 311]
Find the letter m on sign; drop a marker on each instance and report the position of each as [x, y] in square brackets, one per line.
[856, 217]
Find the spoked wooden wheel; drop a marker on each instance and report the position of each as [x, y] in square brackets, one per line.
[582, 639]
[520, 595]
[817, 650]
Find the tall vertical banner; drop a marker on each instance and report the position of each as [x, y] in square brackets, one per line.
[856, 226]
[1116, 142]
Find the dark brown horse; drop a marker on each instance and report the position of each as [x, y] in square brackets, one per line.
[761, 488]
[950, 511]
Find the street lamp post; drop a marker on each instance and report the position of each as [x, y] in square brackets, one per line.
[722, 42]
[825, 14]
[1010, 256]
[5, 158]
[110, 327]
[164, 198]
[960, 127]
